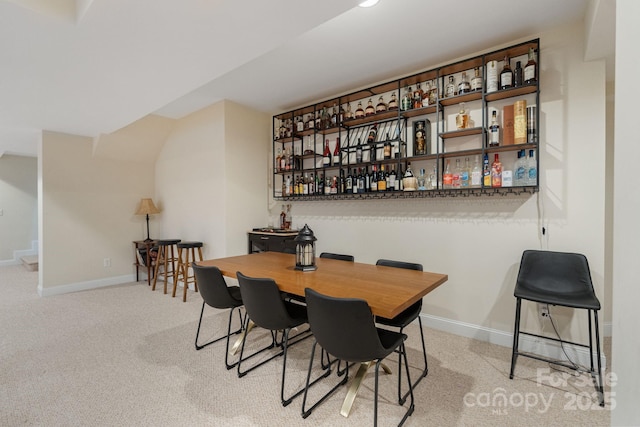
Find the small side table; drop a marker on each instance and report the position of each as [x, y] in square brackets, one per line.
[145, 261]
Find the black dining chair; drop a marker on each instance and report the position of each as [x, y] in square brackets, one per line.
[266, 308]
[405, 318]
[562, 279]
[215, 293]
[344, 328]
[340, 257]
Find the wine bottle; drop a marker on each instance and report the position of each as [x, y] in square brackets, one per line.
[336, 153]
[326, 155]
[359, 151]
[373, 179]
[382, 179]
[348, 187]
[392, 179]
[506, 75]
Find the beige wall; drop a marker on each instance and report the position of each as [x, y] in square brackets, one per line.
[211, 178]
[19, 203]
[86, 211]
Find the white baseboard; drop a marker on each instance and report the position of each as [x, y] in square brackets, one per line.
[83, 286]
[550, 349]
[17, 254]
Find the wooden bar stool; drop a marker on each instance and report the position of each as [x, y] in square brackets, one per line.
[184, 262]
[167, 260]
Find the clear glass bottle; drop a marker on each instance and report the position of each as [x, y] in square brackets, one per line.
[359, 111]
[506, 75]
[531, 69]
[456, 175]
[494, 130]
[393, 103]
[381, 106]
[433, 94]
[422, 179]
[447, 177]
[369, 111]
[464, 86]
[532, 168]
[425, 94]
[476, 173]
[450, 88]
[462, 119]
[309, 149]
[476, 81]
[465, 174]
[407, 102]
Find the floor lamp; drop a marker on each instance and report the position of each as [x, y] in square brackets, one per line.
[147, 208]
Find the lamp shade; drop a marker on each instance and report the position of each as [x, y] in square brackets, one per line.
[147, 208]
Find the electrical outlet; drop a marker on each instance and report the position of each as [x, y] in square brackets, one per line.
[543, 309]
[107, 262]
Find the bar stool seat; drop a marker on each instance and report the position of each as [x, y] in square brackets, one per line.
[167, 257]
[184, 263]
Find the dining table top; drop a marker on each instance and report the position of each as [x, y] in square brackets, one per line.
[387, 290]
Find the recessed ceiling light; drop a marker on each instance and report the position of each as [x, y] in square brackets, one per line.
[368, 3]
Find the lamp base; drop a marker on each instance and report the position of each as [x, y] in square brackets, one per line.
[305, 267]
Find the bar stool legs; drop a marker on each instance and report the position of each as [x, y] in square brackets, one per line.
[184, 263]
[167, 260]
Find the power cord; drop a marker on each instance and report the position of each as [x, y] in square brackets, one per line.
[578, 368]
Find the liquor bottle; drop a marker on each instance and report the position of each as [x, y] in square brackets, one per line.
[373, 179]
[531, 69]
[325, 118]
[348, 186]
[422, 179]
[392, 179]
[408, 173]
[532, 136]
[462, 119]
[361, 182]
[341, 182]
[464, 86]
[425, 94]
[309, 124]
[476, 81]
[465, 174]
[532, 168]
[399, 182]
[319, 187]
[283, 217]
[326, 155]
[433, 178]
[407, 102]
[381, 106]
[309, 149]
[492, 76]
[433, 94]
[447, 177]
[486, 171]
[455, 176]
[382, 179]
[359, 111]
[417, 97]
[334, 185]
[369, 111]
[393, 103]
[336, 153]
[327, 185]
[387, 149]
[420, 142]
[312, 185]
[476, 173]
[359, 151]
[348, 115]
[450, 88]
[373, 132]
[278, 159]
[287, 219]
[334, 115]
[318, 119]
[496, 171]
[305, 184]
[506, 75]
[494, 130]
[299, 124]
[517, 75]
[519, 169]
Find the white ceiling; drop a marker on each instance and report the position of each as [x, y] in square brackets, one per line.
[91, 67]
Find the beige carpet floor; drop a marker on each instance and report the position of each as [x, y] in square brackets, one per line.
[124, 355]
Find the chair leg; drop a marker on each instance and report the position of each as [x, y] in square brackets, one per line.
[403, 397]
[598, 384]
[307, 411]
[516, 336]
[201, 346]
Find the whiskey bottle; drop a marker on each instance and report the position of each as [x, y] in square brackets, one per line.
[393, 103]
[492, 76]
[464, 86]
[407, 102]
[278, 158]
[381, 106]
[494, 130]
[531, 69]
[359, 111]
[496, 171]
[417, 97]
[369, 111]
[387, 149]
[348, 115]
[336, 153]
[462, 119]
[433, 94]
[506, 75]
[532, 168]
[450, 89]
[476, 81]
[283, 217]
[382, 179]
[517, 75]
[326, 155]
[334, 115]
[373, 132]
[359, 151]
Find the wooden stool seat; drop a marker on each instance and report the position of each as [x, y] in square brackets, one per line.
[167, 258]
[184, 263]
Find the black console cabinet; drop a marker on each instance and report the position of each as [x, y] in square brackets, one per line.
[270, 241]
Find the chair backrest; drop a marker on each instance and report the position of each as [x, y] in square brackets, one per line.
[399, 264]
[213, 288]
[344, 327]
[556, 277]
[339, 257]
[263, 302]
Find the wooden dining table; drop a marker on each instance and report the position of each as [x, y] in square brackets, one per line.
[387, 290]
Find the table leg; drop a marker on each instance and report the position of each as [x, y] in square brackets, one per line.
[355, 386]
[238, 343]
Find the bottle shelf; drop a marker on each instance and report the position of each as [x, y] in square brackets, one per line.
[511, 92]
[461, 132]
[419, 111]
[465, 97]
[386, 115]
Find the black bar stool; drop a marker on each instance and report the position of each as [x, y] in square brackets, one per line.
[184, 262]
[167, 259]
